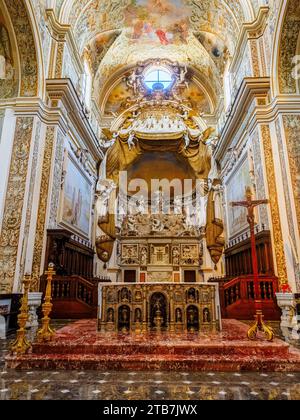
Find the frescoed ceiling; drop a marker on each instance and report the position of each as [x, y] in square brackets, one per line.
[119, 34]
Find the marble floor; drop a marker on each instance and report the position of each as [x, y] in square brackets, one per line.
[112, 385]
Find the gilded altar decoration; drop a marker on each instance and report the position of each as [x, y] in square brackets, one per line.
[46, 333]
[21, 344]
[147, 307]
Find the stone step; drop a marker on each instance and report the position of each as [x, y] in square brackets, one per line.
[238, 348]
[148, 362]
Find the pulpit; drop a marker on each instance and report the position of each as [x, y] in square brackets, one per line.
[153, 307]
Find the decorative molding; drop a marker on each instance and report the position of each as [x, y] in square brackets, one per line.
[63, 91]
[42, 210]
[250, 89]
[14, 203]
[288, 203]
[291, 125]
[33, 175]
[273, 198]
[253, 30]
[62, 34]
[288, 47]
[57, 179]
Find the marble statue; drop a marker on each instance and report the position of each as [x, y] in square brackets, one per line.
[144, 256]
[133, 81]
[130, 140]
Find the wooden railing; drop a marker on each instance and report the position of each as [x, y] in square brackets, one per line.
[237, 296]
[74, 296]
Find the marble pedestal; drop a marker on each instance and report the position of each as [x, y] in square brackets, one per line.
[290, 321]
[34, 301]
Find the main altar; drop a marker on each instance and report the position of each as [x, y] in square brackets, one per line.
[153, 307]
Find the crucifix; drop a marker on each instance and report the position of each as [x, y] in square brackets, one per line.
[259, 324]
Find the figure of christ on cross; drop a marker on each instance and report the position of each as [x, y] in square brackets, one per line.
[250, 205]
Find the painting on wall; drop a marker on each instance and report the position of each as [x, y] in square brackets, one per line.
[158, 21]
[77, 199]
[235, 188]
[117, 99]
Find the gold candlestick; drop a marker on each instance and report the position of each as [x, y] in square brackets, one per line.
[21, 344]
[46, 333]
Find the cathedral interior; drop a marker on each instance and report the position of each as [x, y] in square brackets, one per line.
[149, 199]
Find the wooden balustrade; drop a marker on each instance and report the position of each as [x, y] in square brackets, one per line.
[238, 259]
[74, 296]
[237, 296]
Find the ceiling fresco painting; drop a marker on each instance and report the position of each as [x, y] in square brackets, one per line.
[158, 21]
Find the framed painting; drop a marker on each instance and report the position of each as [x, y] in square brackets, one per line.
[76, 203]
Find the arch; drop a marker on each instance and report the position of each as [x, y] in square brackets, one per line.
[192, 318]
[200, 80]
[285, 47]
[26, 42]
[158, 310]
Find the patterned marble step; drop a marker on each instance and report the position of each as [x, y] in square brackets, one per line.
[161, 363]
[157, 348]
[80, 346]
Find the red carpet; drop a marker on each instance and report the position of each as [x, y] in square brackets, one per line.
[80, 346]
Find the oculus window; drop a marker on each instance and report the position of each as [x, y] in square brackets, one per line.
[158, 79]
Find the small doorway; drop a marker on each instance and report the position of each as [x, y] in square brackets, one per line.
[189, 276]
[129, 276]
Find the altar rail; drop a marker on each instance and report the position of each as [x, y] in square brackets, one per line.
[74, 297]
[237, 297]
[171, 307]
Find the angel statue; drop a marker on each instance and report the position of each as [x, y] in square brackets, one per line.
[130, 140]
[182, 73]
[186, 140]
[133, 81]
[108, 138]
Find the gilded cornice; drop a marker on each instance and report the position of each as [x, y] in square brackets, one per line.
[62, 93]
[63, 33]
[250, 89]
[57, 30]
[252, 30]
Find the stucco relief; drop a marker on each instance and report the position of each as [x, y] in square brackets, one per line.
[42, 210]
[26, 46]
[33, 174]
[287, 199]
[8, 76]
[288, 47]
[14, 203]
[292, 132]
[57, 180]
[39, 8]
[274, 206]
